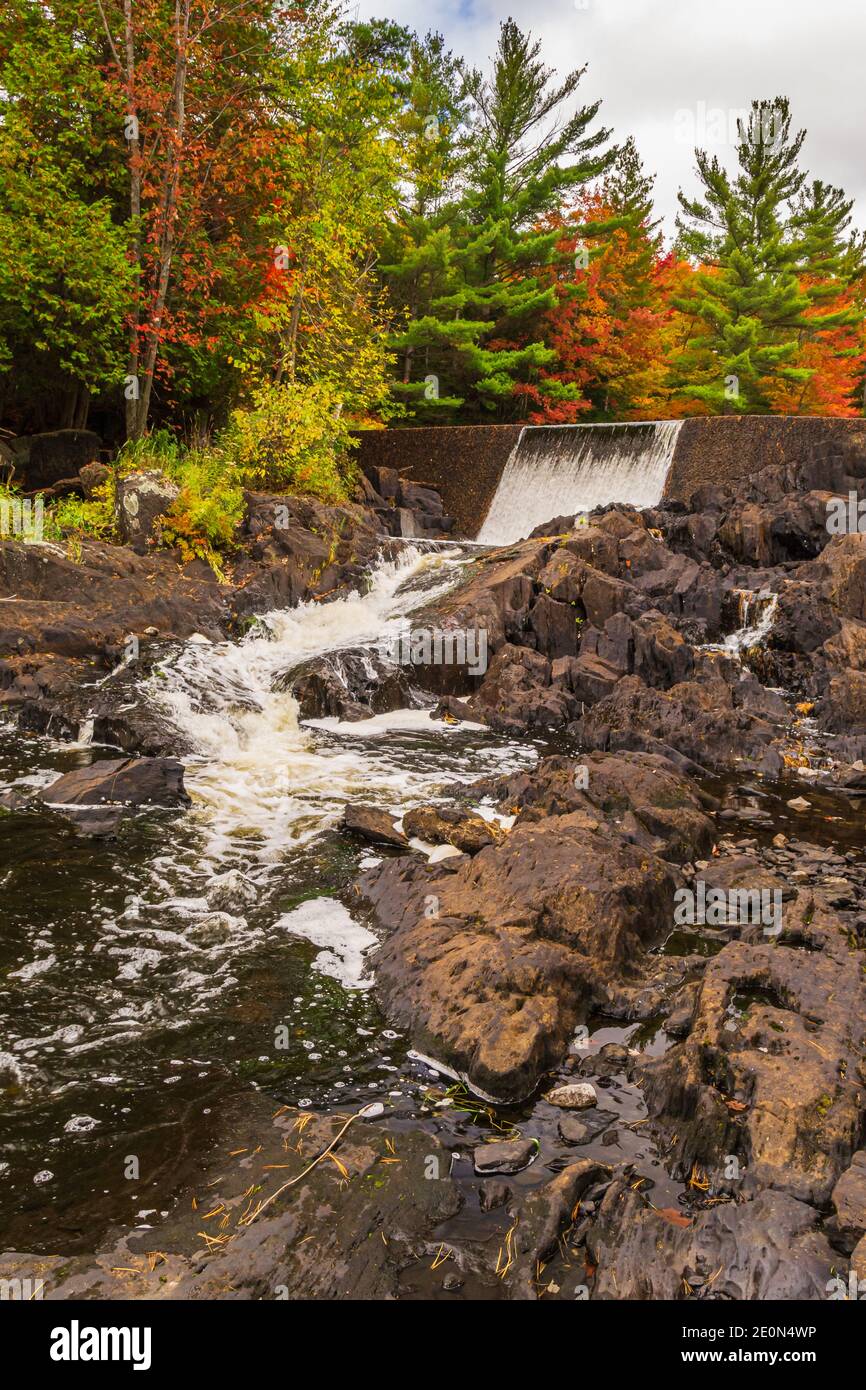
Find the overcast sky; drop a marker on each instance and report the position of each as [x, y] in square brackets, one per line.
[666, 67]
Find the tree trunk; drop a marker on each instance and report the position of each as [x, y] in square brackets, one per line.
[82, 407]
[168, 210]
[132, 421]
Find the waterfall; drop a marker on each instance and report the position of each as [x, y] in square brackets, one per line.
[560, 470]
[756, 611]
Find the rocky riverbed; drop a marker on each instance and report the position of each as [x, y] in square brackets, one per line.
[602, 905]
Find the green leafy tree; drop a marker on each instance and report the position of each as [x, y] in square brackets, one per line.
[64, 278]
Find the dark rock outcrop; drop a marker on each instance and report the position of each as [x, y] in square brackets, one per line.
[130, 782]
[531, 930]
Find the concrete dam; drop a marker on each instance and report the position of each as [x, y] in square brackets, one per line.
[500, 482]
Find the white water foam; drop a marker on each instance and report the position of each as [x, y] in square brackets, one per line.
[262, 781]
[345, 944]
[564, 470]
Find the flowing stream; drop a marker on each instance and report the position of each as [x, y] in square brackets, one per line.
[150, 979]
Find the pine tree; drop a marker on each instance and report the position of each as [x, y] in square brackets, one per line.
[747, 300]
[831, 342]
[479, 256]
[419, 257]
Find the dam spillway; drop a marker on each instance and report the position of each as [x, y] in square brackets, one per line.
[467, 463]
[562, 470]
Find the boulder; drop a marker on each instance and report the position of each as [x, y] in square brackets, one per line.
[753, 1251]
[527, 932]
[373, 824]
[849, 1199]
[444, 825]
[141, 500]
[43, 459]
[769, 1070]
[576, 1131]
[505, 1158]
[350, 685]
[575, 1096]
[120, 782]
[93, 476]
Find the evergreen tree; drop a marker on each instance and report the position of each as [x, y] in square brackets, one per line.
[481, 253]
[747, 300]
[831, 340]
[419, 255]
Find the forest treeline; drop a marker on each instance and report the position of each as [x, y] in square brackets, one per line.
[232, 217]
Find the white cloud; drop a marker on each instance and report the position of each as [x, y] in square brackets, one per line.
[649, 59]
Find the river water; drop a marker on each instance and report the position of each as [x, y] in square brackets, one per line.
[141, 989]
[155, 987]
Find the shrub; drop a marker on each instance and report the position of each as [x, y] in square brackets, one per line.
[77, 517]
[209, 508]
[293, 438]
[160, 450]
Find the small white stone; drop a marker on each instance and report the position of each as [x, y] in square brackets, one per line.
[80, 1124]
[575, 1096]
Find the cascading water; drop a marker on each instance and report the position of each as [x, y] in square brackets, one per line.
[145, 977]
[562, 470]
[755, 613]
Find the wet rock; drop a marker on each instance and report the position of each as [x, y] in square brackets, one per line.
[665, 806]
[450, 710]
[213, 928]
[320, 1239]
[517, 693]
[609, 1061]
[583, 1131]
[542, 1216]
[508, 1157]
[849, 1200]
[140, 501]
[697, 719]
[768, 1248]
[230, 892]
[350, 685]
[447, 826]
[98, 822]
[492, 1194]
[124, 782]
[769, 1068]
[843, 707]
[373, 824]
[579, 1096]
[841, 572]
[526, 932]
